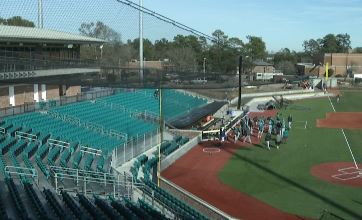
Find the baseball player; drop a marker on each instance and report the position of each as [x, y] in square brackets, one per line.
[290, 119]
[261, 127]
[267, 140]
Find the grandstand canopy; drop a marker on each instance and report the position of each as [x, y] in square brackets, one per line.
[34, 35]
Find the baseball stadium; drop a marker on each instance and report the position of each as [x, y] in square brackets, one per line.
[98, 124]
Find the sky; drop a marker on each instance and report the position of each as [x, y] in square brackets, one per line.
[280, 23]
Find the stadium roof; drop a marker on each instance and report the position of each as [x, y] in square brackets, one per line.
[40, 35]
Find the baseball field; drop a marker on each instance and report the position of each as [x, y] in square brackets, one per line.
[310, 175]
[283, 178]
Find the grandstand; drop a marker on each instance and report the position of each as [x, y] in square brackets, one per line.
[70, 148]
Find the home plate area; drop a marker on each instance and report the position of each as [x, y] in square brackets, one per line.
[348, 173]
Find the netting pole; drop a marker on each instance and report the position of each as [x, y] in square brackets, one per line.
[141, 39]
[240, 71]
[161, 139]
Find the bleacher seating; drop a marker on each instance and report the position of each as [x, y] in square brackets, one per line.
[15, 196]
[3, 213]
[70, 203]
[107, 209]
[184, 211]
[57, 137]
[39, 208]
[92, 210]
[123, 210]
[150, 210]
[56, 207]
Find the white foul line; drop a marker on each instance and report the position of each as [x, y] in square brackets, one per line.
[344, 135]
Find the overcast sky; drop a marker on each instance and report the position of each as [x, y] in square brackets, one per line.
[281, 23]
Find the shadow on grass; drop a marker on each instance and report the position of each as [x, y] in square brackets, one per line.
[299, 186]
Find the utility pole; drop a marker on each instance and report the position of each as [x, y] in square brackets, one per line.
[40, 13]
[141, 39]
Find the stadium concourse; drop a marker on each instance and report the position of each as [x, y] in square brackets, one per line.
[57, 162]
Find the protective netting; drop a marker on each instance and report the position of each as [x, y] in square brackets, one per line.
[175, 55]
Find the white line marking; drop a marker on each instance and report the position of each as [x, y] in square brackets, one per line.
[349, 147]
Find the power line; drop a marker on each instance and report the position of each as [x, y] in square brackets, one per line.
[165, 19]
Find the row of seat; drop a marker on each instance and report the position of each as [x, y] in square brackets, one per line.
[54, 204]
[140, 161]
[39, 208]
[150, 210]
[71, 204]
[91, 209]
[15, 196]
[107, 209]
[182, 209]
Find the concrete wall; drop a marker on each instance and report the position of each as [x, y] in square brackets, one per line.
[24, 93]
[261, 94]
[4, 97]
[73, 90]
[170, 159]
[52, 92]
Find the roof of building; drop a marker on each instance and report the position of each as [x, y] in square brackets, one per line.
[41, 35]
[261, 63]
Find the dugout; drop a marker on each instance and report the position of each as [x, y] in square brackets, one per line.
[193, 117]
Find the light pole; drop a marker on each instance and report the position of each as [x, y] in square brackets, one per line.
[204, 67]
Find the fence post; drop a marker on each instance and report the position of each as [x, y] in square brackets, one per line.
[132, 147]
[124, 153]
[144, 142]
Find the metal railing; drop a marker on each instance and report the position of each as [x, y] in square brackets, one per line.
[62, 100]
[117, 184]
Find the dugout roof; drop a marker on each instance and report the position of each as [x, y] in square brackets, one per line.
[196, 114]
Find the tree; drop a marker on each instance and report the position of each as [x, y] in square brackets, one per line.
[99, 30]
[311, 47]
[287, 67]
[357, 50]
[17, 21]
[329, 44]
[255, 48]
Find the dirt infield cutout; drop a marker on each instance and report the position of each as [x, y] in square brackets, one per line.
[344, 173]
[346, 120]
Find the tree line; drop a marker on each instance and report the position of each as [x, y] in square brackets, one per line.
[189, 52]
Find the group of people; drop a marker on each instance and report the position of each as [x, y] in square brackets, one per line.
[259, 125]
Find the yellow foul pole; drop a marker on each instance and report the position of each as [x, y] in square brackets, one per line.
[326, 71]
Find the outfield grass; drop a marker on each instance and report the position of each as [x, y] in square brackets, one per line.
[282, 177]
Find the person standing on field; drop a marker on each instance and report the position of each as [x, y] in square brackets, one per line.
[278, 140]
[290, 119]
[261, 128]
[267, 140]
[248, 133]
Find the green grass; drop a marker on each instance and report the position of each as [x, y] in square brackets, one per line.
[282, 177]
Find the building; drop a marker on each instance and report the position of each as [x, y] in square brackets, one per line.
[339, 64]
[263, 67]
[152, 64]
[343, 63]
[27, 52]
[264, 71]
